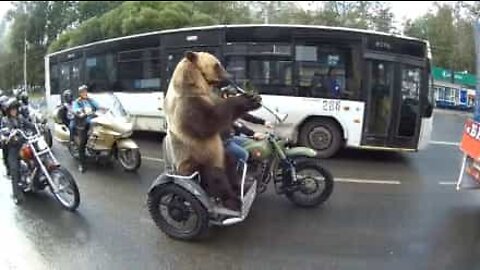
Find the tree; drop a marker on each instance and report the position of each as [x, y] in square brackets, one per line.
[382, 18]
[134, 17]
[450, 34]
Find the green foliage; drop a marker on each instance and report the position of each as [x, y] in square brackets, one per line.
[135, 17]
[450, 35]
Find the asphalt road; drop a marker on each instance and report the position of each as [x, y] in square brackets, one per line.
[388, 211]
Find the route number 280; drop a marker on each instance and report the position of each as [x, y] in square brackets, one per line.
[331, 105]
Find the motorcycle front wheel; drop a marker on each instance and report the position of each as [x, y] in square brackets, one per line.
[67, 195]
[130, 159]
[315, 183]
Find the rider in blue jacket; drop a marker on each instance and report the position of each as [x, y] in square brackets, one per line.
[84, 104]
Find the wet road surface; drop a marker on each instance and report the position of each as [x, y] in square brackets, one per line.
[388, 211]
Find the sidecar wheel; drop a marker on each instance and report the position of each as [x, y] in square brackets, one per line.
[177, 211]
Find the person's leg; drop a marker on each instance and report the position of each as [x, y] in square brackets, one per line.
[240, 140]
[71, 127]
[81, 148]
[5, 159]
[14, 164]
[235, 149]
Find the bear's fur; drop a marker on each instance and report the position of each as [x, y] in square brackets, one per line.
[194, 122]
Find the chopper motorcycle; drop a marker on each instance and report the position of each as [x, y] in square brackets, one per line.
[40, 169]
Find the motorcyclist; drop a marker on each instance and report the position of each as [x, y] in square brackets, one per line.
[3, 108]
[84, 105]
[14, 120]
[66, 111]
[232, 138]
[23, 100]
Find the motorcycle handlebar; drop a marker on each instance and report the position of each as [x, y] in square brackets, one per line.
[280, 117]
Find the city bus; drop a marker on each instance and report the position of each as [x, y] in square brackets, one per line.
[340, 87]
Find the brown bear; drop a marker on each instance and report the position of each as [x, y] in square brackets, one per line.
[195, 120]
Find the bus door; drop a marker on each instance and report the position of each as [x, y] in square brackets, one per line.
[70, 76]
[393, 104]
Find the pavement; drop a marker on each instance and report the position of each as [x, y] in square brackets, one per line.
[388, 211]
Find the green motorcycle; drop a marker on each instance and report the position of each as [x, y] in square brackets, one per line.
[296, 171]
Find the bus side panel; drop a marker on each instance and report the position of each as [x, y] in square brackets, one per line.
[425, 132]
[349, 114]
[145, 110]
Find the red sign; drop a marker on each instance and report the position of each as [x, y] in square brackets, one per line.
[470, 143]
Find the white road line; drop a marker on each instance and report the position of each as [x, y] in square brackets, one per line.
[447, 183]
[153, 159]
[345, 180]
[368, 181]
[445, 143]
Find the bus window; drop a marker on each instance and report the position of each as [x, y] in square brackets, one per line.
[409, 105]
[54, 80]
[273, 77]
[64, 80]
[139, 70]
[323, 71]
[100, 72]
[236, 67]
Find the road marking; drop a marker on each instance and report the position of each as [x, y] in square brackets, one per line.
[368, 181]
[153, 159]
[447, 183]
[345, 180]
[445, 143]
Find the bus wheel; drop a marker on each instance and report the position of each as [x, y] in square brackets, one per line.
[323, 135]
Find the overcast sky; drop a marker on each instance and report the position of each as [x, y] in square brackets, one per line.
[4, 6]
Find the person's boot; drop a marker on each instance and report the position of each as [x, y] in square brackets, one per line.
[18, 197]
[81, 168]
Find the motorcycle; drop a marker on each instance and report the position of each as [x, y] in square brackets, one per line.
[107, 138]
[40, 169]
[174, 200]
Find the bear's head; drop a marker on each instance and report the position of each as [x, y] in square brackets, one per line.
[201, 71]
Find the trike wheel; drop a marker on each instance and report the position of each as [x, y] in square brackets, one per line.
[178, 213]
[315, 183]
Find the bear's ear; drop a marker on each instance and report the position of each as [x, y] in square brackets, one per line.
[191, 56]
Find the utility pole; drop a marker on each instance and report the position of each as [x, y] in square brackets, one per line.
[25, 63]
[25, 54]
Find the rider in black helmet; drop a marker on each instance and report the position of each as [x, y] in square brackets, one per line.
[11, 121]
[23, 100]
[66, 112]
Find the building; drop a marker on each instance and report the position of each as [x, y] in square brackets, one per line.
[453, 92]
